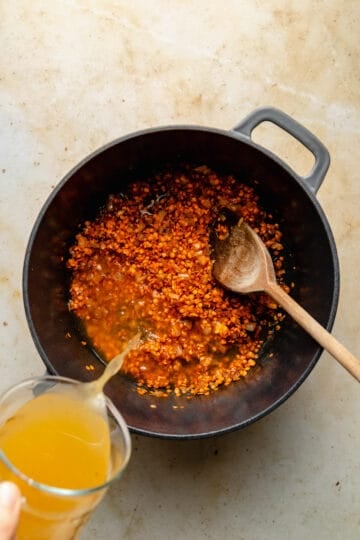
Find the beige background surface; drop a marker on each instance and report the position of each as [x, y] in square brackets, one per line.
[76, 74]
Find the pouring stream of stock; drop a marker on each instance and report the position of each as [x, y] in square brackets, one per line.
[244, 265]
[92, 392]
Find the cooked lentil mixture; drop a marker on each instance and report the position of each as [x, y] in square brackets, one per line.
[145, 263]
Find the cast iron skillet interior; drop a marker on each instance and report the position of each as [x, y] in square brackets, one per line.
[285, 362]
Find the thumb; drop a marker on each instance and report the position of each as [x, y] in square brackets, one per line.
[10, 502]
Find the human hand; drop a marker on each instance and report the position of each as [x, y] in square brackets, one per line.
[10, 503]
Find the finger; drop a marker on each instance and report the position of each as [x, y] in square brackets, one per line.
[10, 501]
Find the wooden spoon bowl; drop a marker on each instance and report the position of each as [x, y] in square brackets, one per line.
[243, 264]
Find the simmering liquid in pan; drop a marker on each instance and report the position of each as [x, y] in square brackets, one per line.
[145, 262]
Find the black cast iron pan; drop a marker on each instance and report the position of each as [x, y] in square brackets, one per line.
[288, 358]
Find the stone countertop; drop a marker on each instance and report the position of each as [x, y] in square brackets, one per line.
[77, 74]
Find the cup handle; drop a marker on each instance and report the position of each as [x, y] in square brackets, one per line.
[270, 114]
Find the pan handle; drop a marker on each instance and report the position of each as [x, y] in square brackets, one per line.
[269, 114]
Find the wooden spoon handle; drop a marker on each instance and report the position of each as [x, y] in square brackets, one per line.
[318, 332]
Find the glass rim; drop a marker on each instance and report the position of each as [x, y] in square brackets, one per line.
[60, 491]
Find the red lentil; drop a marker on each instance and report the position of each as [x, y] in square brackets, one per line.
[145, 261]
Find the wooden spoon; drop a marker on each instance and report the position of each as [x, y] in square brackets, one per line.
[244, 265]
